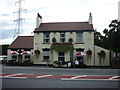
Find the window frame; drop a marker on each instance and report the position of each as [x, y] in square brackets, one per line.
[45, 55]
[45, 38]
[61, 56]
[14, 57]
[62, 38]
[79, 37]
[27, 57]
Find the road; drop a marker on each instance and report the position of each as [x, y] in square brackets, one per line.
[48, 77]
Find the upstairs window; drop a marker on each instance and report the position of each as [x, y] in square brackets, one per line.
[46, 38]
[62, 37]
[79, 37]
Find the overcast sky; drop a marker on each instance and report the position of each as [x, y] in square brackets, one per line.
[103, 11]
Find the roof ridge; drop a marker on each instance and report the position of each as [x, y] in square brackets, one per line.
[63, 22]
[25, 36]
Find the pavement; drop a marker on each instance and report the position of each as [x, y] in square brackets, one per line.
[45, 66]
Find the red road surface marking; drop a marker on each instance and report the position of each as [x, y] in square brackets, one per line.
[62, 77]
[4, 74]
[95, 77]
[54, 77]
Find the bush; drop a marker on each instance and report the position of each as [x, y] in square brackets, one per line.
[60, 62]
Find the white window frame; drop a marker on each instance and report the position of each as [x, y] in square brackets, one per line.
[61, 56]
[79, 37]
[27, 57]
[45, 38]
[16, 56]
[62, 38]
[46, 54]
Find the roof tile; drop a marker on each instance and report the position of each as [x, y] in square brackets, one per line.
[64, 26]
[22, 42]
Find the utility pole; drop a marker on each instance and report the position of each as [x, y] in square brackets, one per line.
[19, 19]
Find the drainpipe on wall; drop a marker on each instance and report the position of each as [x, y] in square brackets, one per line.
[94, 54]
[94, 50]
[110, 58]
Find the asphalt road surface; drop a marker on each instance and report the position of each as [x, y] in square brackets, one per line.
[49, 77]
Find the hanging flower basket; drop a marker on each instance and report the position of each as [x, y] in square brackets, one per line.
[37, 52]
[89, 53]
[54, 40]
[102, 55]
[70, 40]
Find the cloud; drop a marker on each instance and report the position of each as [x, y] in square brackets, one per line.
[103, 11]
[4, 14]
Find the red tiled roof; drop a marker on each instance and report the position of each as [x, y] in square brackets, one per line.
[22, 42]
[64, 26]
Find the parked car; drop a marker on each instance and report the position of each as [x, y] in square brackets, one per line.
[3, 59]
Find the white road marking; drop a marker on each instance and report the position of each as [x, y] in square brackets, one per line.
[17, 77]
[83, 79]
[78, 76]
[43, 76]
[10, 76]
[13, 75]
[75, 78]
[113, 77]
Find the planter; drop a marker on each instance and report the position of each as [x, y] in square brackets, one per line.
[60, 64]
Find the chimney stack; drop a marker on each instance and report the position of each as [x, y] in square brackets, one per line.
[38, 20]
[90, 19]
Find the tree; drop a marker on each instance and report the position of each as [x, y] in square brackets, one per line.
[98, 38]
[3, 49]
[111, 39]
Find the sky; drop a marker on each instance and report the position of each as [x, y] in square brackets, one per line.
[103, 12]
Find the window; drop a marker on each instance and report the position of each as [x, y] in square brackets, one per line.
[79, 49]
[27, 57]
[14, 57]
[46, 55]
[79, 37]
[61, 56]
[46, 38]
[62, 37]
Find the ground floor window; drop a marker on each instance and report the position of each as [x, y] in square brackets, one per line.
[14, 57]
[27, 57]
[46, 55]
[61, 56]
[80, 58]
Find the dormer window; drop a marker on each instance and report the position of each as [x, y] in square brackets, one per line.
[46, 38]
[62, 37]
